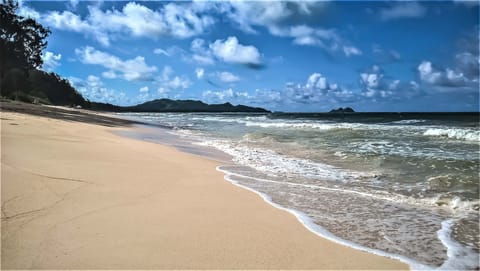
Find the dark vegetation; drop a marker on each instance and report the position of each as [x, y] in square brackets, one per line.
[22, 41]
[343, 110]
[167, 105]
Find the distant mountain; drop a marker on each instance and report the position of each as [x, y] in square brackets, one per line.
[343, 110]
[167, 105]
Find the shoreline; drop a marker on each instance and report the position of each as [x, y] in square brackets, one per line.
[197, 221]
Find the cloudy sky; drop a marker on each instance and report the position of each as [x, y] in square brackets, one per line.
[284, 56]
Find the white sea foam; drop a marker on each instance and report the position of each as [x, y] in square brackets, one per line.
[455, 204]
[271, 163]
[462, 134]
[459, 257]
[308, 223]
[274, 164]
[408, 121]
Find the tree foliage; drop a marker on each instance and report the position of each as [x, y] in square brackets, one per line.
[22, 40]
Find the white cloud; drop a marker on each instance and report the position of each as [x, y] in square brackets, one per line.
[177, 83]
[51, 60]
[351, 51]
[375, 86]
[166, 73]
[316, 89]
[73, 4]
[286, 19]
[247, 15]
[28, 12]
[469, 63]
[93, 89]
[160, 51]
[261, 13]
[132, 69]
[109, 74]
[168, 83]
[403, 10]
[394, 85]
[199, 72]
[447, 78]
[203, 59]
[144, 89]
[371, 80]
[227, 77]
[179, 20]
[227, 95]
[230, 50]
[316, 80]
[327, 39]
[169, 52]
[201, 54]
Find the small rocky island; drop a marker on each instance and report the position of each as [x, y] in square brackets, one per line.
[343, 110]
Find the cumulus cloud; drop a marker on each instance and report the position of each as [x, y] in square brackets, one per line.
[131, 69]
[317, 92]
[371, 80]
[200, 53]
[168, 82]
[93, 89]
[248, 15]
[199, 72]
[394, 85]
[223, 95]
[109, 74]
[178, 20]
[428, 74]
[28, 12]
[177, 83]
[230, 50]
[51, 61]
[402, 10]
[327, 39]
[351, 51]
[287, 19]
[446, 78]
[376, 85]
[468, 63]
[227, 77]
[317, 88]
[144, 89]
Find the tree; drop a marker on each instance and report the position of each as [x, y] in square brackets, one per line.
[22, 41]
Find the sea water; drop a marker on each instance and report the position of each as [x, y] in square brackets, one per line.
[404, 185]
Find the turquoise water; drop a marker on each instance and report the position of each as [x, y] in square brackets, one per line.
[401, 184]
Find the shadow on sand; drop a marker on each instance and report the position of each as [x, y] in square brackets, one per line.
[75, 115]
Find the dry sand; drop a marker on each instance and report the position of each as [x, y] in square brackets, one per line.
[76, 196]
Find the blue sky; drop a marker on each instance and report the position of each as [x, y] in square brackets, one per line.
[283, 56]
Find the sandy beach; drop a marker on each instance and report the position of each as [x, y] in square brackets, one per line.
[76, 196]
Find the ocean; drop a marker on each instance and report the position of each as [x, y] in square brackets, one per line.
[402, 185]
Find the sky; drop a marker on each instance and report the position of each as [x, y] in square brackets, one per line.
[304, 56]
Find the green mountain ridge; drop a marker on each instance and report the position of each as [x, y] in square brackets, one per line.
[168, 105]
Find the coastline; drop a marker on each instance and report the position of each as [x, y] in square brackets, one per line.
[75, 195]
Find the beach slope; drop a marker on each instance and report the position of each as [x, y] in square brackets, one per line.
[76, 196]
